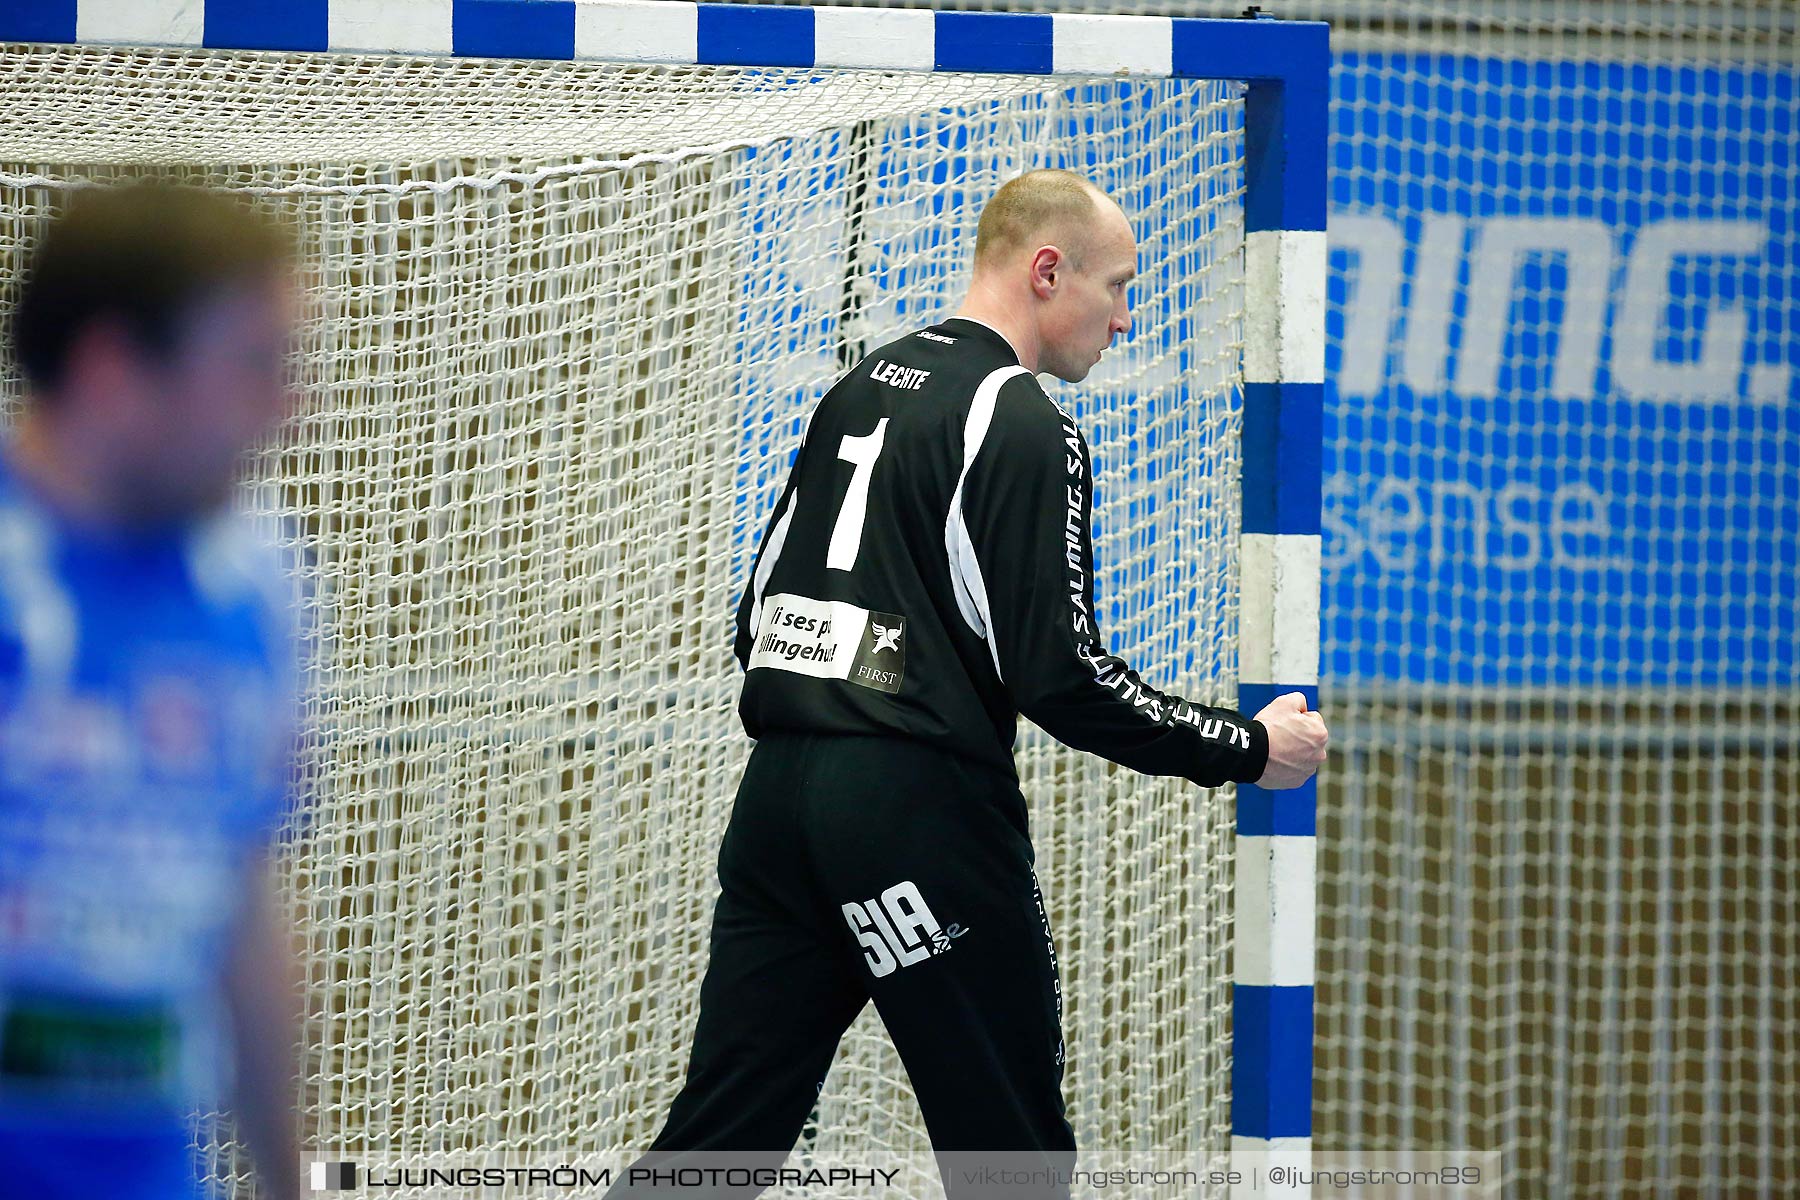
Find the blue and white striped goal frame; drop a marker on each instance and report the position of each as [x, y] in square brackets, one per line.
[1284, 65]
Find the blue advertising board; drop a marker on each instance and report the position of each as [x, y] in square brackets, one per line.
[1563, 417]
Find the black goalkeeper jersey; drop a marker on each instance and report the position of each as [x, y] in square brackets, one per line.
[928, 574]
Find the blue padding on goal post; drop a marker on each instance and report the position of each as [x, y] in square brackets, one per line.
[268, 24]
[1284, 146]
[1285, 111]
[37, 20]
[1283, 463]
[756, 36]
[1292, 812]
[1253, 50]
[1271, 1061]
[1010, 43]
[514, 28]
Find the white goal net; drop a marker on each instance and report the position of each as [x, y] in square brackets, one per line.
[564, 326]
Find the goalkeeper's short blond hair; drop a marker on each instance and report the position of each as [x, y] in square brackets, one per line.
[1043, 207]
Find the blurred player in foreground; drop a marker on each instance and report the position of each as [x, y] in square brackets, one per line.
[146, 676]
[926, 578]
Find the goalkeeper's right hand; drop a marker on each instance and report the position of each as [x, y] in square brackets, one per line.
[1297, 741]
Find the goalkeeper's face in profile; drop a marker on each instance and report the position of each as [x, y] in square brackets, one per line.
[1054, 260]
[1087, 294]
[153, 332]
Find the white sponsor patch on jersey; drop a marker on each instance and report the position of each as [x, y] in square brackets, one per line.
[829, 639]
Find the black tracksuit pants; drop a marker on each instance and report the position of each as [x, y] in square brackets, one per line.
[858, 869]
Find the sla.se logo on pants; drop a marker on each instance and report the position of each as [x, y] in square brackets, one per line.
[898, 930]
[333, 1177]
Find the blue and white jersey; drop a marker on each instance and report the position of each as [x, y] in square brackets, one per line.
[146, 714]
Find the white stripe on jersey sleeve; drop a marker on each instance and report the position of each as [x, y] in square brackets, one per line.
[965, 571]
[770, 554]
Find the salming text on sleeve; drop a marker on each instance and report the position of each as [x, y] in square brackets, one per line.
[1026, 505]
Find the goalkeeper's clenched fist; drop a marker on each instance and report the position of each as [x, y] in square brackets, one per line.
[1297, 741]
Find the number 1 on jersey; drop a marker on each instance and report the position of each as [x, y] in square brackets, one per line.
[846, 535]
